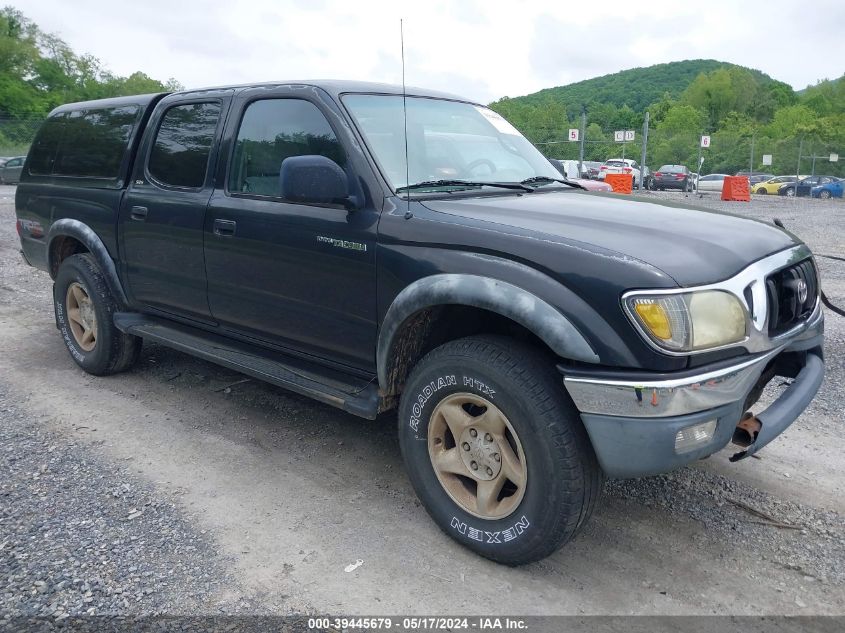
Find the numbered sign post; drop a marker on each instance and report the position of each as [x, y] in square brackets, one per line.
[573, 134]
[623, 136]
[705, 142]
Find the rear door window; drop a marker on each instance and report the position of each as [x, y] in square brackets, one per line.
[45, 145]
[94, 142]
[180, 153]
[272, 130]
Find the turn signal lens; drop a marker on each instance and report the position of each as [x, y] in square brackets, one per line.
[690, 321]
[693, 437]
[654, 317]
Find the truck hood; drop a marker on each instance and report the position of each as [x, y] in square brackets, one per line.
[693, 246]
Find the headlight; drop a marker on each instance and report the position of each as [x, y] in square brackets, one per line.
[690, 321]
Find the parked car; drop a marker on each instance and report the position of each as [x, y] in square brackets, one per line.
[566, 167]
[771, 186]
[803, 186]
[620, 166]
[535, 338]
[829, 190]
[10, 172]
[591, 169]
[711, 182]
[758, 178]
[593, 185]
[4, 159]
[673, 177]
[754, 177]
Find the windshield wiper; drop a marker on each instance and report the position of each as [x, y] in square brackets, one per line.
[534, 180]
[464, 183]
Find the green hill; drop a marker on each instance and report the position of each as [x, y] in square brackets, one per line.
[637, 87]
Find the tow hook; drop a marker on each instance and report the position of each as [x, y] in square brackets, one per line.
[745, 433]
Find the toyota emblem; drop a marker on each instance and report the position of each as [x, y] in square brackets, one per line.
[802, 291]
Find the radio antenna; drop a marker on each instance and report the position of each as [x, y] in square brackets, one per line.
[408, 214]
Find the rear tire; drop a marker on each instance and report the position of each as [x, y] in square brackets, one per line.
[84, 309]
[546, 482]
[824, 194]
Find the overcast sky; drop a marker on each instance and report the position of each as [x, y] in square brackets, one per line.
[481, 49]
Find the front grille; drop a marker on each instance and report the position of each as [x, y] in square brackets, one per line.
[792, 294]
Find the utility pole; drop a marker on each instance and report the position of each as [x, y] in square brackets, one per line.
[698, 164]
[581, 149]
[751, 169]
[642, 160]
[798, 167]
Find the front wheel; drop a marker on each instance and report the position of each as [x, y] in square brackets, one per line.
[824, 194]
[495, 449]
[790, 193]
[84, 309]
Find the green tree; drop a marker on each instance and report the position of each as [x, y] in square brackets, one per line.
[39, 71]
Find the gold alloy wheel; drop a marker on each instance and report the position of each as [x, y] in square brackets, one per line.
[477, 456]
[81, 316]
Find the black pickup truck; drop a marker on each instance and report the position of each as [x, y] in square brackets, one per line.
[374, 249]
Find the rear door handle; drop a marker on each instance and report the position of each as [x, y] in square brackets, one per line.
[224, 228]
[139, 213]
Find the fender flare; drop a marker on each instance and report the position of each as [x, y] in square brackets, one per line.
[88, 237]
[501, 297]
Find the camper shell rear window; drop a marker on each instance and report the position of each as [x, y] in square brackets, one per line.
[89, 142]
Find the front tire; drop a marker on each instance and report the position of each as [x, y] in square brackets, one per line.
[495, 449]
[824, 194]
[84, 309]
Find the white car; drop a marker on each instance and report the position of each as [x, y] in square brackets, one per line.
[711, 182]
[620, 166]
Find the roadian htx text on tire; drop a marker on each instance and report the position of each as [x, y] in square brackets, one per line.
[495, 449]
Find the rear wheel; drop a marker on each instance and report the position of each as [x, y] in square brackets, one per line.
[824, 193]
[790, 192]
[496, 450]
[84, 309]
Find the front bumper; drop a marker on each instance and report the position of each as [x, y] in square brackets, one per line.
[634, 418]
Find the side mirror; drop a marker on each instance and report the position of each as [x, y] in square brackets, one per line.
[314, 179]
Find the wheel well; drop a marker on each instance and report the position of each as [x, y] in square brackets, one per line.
[61, 248]
[431, 327]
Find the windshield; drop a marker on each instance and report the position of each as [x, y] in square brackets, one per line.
[447, 140]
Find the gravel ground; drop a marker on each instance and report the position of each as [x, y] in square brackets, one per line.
[82, 536]
[192, 498]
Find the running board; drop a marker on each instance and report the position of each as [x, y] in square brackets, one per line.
[354, 395]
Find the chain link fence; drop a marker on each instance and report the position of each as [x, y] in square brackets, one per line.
[727, 153]
[16, 135]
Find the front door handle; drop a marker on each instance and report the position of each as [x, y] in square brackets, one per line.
[224, 228]
[139, 213]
